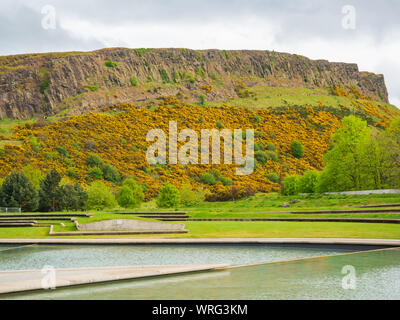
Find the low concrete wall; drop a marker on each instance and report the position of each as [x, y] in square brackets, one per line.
[130, 225]
[366, 192]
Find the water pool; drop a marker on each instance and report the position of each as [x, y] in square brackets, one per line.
[64, 256]
[377, 277]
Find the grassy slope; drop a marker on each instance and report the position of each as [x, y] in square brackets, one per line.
[258, 203]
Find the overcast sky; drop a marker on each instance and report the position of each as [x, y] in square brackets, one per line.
[313, 28]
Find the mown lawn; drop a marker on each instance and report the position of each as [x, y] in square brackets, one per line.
[252, 208]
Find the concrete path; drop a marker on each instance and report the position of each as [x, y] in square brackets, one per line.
[330, 241]
[26, 280]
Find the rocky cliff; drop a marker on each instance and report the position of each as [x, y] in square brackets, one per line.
[46, 84]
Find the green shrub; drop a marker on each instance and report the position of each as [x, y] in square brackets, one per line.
[272, 156]
[297, 149]
[100, 196]
[110, 64]
[290, 185]
[200, 72]
[110, 173]
[134, 81]
[95, 173]
[72, 173]
[62, 151]
[259, 146]
[35, 145]
[44, 85]
[225, 181]
[271, 147]
[50, 156]
[137, 191]
[208, 178]
[219, 125]
[164, 76]
[169, 196]
[202, 100]
[308, 182]
[214, 75]
[261, 157]
[92, 88]
[149, 79]
[93, 160]
[273, 177]
[257, 118]
[189, 196]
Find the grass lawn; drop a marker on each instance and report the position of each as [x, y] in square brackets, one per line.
[252, 207]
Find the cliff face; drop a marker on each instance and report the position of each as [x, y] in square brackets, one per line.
[48, 83]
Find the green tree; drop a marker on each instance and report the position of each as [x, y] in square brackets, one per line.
[297, 149]
[100, 196]
[136, 194]
[345, 161]
[18, 191]
[290, 185]
[49, 192]
[125, 197]
[72, 197]
[169, 196]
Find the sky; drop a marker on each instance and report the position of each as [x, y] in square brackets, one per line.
[366, 32]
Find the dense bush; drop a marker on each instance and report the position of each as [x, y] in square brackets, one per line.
[290, 185]
[133, 197]
[188, 196]
[208, 178]
[273, 177]
[271, 147]
[308, 182]
[93, 160]
[168, 197]
[261, 157]
[100, 196]
[272, 156]
[110, 173]
[110, 63]
[95, 174]
[297, 149]
[134, 81]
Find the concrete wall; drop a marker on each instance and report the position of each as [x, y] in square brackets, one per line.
[130, 225]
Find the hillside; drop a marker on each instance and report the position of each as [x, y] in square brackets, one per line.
[58, 109]
[78, 82]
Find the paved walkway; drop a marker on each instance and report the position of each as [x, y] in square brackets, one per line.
[26, 280]
[330, 241]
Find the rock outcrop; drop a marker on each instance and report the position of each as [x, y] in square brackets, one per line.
[46, 84]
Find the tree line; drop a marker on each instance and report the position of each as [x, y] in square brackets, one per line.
[359, 158]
